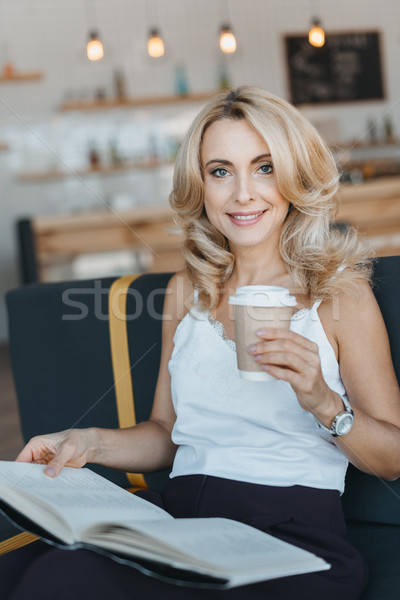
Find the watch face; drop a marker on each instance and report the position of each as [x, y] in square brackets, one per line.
[345, 424]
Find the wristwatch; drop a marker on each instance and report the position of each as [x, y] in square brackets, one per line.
[343, 421]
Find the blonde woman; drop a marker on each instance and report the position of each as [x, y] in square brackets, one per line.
[255, 189]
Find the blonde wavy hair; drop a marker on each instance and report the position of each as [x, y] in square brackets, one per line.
[306, 175]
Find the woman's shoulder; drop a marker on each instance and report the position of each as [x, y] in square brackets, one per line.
[354, 308]
[179, 295]
[349, 311]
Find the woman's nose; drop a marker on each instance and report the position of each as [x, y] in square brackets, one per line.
[244, 190]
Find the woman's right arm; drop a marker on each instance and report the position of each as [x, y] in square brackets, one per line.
[143, 448]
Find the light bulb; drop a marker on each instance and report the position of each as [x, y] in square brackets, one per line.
[227, 41]
[316, 35]
[155, 45]
[94, 49]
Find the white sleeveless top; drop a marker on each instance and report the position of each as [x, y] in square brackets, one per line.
[243, 430]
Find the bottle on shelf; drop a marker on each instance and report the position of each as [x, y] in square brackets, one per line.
[388, 130]
[8, 69]
[94, 157]
[119, 85]
[224, 82]
[181, 82]
[115, 157]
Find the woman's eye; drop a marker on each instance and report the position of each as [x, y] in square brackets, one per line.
[219, 172]
[266, 169]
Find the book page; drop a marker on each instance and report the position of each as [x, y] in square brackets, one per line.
[222, 547]
[81, 496]
[224, 543]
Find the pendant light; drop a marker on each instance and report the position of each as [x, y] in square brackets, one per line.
[155, 45]
[227, 41]
[316, 35]
[94, 48]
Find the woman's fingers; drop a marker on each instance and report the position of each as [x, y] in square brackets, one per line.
[67, 448]
[291, 360]
[54, 450]
[38, 448]
[271, 334]
[288, 345]
[295, 378]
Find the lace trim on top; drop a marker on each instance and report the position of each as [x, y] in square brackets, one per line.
[300, 314]
[220, 330]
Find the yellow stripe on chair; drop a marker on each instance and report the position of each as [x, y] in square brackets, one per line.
[121, 362]
[17, 541]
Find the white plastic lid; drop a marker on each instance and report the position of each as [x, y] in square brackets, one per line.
[262, 295]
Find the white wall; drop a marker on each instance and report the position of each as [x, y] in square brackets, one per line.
[50, 36]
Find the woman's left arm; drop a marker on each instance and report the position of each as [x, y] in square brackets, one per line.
[366, 369]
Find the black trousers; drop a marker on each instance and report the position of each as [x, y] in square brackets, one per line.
[309, 518]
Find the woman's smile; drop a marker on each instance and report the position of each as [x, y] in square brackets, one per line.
[244, 219]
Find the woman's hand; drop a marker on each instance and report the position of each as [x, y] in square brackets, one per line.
[70, 448]
[289, 356]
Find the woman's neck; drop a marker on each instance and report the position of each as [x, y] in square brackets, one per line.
[258, 264]
[253, 270]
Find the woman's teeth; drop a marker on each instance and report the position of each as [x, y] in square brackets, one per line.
[247, 217]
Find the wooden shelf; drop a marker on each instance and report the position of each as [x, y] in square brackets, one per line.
[32, 76]
[135, 102]
[31, 177]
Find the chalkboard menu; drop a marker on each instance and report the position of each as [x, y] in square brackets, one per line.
[347, 68]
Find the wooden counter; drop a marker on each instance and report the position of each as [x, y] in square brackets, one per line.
[150, 231]
[374, 208]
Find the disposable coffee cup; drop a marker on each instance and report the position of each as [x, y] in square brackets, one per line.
[257, 307]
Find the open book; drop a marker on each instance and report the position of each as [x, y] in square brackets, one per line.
[82, 509]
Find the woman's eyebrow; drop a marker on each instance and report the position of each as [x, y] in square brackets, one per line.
[218, 160]
[260, 157]
[228, 163]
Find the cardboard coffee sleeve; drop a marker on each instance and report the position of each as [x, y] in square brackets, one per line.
[256, 307]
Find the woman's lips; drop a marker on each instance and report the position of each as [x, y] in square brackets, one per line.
[242, 219]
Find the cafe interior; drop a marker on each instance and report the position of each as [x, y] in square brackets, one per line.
[95, 97]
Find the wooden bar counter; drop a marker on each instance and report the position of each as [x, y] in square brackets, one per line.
[149, 231]
[374, 208]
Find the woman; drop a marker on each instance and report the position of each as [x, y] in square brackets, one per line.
[255, 191]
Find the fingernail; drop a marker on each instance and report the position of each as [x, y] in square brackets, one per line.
[251, 348]
[51, 471]
[261, 332]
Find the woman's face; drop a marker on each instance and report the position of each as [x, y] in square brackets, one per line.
[240, 193]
